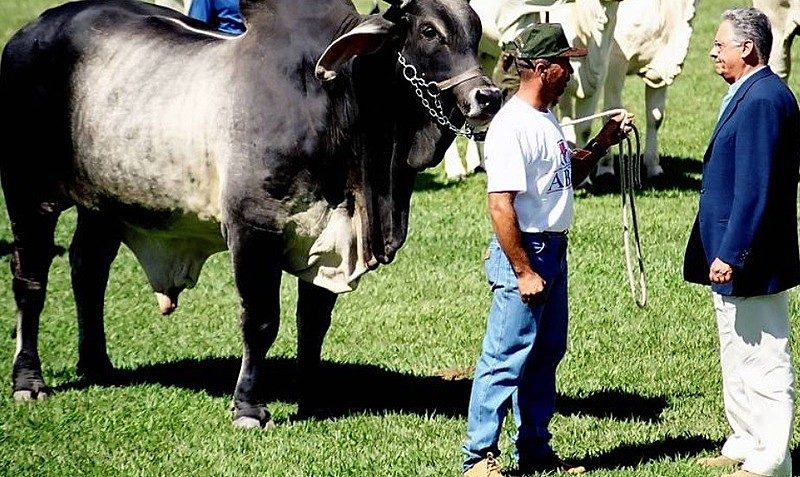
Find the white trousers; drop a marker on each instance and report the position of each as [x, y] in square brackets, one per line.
[757, 381]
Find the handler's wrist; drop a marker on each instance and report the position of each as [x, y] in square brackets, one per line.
[596, 148]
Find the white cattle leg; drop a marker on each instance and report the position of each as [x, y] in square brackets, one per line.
[584, 108]
[655, 99]
[778, 14]
[474, 156]
[612, 96]
[453, 165]
[784, 49]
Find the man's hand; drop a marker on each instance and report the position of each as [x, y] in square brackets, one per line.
[615, 130]
[531, 287]
[720, 272]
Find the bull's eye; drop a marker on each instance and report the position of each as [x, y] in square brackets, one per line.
[429, 32]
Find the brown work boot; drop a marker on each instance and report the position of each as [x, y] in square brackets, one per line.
[486, 467]
[718, 461]
[550, 463]
[742, 473]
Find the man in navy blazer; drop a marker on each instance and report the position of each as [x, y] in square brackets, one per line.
[744, 245]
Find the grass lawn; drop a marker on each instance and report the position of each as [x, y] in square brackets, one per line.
[640, 390]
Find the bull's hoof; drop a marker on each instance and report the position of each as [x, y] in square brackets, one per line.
[246, 422]
[25, 395]
[655, 173]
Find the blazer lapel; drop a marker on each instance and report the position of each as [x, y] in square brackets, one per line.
[734, 103]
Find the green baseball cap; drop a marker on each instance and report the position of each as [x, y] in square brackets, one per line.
[542, 40]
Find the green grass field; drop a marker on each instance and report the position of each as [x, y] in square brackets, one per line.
[640, 391]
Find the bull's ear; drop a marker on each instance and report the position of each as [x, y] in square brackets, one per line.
[364, 39]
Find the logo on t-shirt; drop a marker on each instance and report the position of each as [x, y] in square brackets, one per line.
[562, 176]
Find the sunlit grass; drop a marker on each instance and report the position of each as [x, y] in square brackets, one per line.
[640, 390]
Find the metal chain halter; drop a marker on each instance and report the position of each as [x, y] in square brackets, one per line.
[428, 93]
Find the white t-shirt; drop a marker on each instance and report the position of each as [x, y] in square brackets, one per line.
[526, 153]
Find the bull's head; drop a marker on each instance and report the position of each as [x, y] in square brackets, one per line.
[416, 79]
[435, 46]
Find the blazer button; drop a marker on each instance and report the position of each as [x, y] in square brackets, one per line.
[702, 191]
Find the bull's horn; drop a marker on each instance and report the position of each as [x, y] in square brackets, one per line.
[366, 38]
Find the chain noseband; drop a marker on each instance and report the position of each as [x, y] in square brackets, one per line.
[428, 93]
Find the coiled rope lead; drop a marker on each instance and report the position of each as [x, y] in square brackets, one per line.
[630, 179]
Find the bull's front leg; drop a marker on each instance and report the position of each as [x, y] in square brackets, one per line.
[314, 307]
[257, 272]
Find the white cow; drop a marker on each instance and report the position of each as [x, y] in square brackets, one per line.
[651, 40]
[587, 23]
[785, 18]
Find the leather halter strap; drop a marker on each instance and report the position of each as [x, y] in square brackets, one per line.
[458, 79]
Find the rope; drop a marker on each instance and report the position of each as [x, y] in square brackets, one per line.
[610, 112]
[630, 179]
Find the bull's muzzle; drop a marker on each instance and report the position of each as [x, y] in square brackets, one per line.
[483, 103]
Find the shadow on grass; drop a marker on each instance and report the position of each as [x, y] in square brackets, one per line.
[358, 388]
[637, 454]
[680, 173]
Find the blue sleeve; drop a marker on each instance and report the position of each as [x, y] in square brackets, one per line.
[756, 143]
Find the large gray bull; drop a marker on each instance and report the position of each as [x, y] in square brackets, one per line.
[294, 146]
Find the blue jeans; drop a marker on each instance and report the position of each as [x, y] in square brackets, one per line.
[224, 15]
[522, 347]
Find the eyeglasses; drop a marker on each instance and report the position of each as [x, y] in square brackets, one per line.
[720, 46]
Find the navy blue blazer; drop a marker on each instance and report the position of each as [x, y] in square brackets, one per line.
[748, 200]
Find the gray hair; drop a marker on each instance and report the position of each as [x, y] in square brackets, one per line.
[751, 24]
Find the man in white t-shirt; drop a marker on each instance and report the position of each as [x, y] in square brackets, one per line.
[531, 171]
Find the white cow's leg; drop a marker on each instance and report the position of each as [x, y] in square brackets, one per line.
[453, 165]
[791, 31]
[612, 97]
[655, 102]
[94, 246]
[474, 156]
[583, 108]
